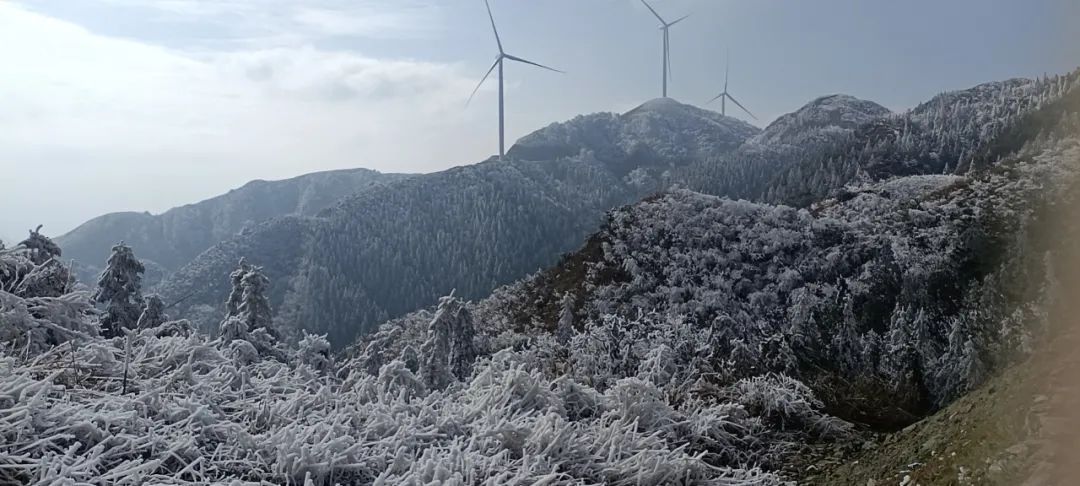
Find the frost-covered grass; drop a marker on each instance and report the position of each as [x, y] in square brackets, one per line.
[194, 412]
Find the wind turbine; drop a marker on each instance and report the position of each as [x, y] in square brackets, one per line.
[503, 56]
[724, 96]
[664, 26]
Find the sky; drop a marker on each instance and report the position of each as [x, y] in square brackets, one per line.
[143, 105]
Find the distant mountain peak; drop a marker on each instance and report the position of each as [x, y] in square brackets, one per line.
[830, 113]
[659, 104]
[659, 132]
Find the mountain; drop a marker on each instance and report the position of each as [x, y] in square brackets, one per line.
[811, 154]
[398, 247]
[822, 118]
[888, 302]
[173, 238]
[657, 133]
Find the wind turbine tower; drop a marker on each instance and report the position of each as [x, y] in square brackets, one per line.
[499, 61]
[666, 56]
[725, 95]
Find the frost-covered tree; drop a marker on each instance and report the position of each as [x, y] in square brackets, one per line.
[564, 330]
[435, 366]
[153, 314]
[41, 248]
[119, 289]
[248, 303]
[255, 307]
[462, 342]
[236, 295]
[33, 269]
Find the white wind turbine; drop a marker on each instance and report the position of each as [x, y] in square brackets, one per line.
[666, 57]
[724, 96]
[503, 56]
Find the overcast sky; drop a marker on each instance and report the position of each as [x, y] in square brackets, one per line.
[142, 105]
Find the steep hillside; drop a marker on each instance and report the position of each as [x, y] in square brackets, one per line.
[888, 302]
[393, 249]
[175, 237]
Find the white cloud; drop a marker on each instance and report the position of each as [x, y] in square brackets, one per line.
[267, 19]
[369, 20]
[120, 124]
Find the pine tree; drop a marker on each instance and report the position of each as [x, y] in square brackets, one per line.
[119, 289]
[42, 248]
[564, 331]
[462, 347]
[435, 353]
[247, 304]
[153, 314]
[232, 305]
[254, 306]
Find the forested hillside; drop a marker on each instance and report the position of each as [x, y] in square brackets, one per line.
[396, 248]
[388, 251]
[797, 161]
[173, 238]
[886, 303]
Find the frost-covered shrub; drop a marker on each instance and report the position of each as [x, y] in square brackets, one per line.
[787, 402]
[37, 324]
[48, 279]
[180, 328]
[153, 313]
[314, 351]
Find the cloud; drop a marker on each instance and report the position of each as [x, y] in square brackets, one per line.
[371, 20]
[120, 124]
[264, 20]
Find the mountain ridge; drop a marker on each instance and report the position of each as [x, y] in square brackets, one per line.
[173, 237]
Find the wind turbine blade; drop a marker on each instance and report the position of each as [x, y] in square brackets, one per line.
[493, 29]
[497, 61]
[679, 20]
[654, 12]
[740, 105]
[721, 95]
[518, 59]
[727, 70]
